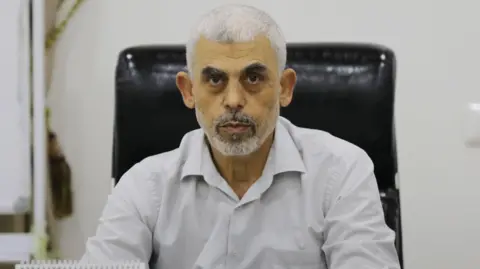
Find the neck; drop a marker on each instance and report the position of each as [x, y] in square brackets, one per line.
[242, 171]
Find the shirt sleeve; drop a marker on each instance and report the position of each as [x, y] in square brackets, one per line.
[124, 232]
[356, 234]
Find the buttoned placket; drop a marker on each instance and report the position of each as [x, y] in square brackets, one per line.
[237, 219]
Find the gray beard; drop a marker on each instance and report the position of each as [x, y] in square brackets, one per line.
[240, 148]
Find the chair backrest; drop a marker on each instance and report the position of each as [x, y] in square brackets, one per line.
[344, 89]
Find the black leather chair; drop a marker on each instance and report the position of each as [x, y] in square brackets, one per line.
[345, 89]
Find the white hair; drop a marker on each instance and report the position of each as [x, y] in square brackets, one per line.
[237, 23]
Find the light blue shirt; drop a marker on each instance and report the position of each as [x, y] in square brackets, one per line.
[317, 205]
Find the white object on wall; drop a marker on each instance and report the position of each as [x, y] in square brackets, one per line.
[15, 104]
[39, 123]
[15, 247]
[15, 150]
[15, 172]
[472, 126]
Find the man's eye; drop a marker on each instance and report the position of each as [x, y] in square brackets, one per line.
[215, 81]
[253, 79]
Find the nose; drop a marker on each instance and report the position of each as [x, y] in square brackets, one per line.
[234, 97]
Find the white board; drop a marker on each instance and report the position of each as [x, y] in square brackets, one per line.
[15, 164]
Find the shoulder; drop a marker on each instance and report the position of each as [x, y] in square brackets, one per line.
[151, 176]
[332, 164]
[320, 147]
[165, 165]
[328, 160]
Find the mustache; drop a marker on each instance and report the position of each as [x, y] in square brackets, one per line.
[237, 117]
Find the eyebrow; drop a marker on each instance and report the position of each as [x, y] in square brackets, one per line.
[251, 68]
[254, 68]
[208, 71]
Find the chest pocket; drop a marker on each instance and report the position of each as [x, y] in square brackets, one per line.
[293, 244]
[300, 253]
[284, 248]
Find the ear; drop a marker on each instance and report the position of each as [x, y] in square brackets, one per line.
[185, 86]
[287, 83]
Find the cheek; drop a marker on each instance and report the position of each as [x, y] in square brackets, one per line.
[265, 103]
[208, 109]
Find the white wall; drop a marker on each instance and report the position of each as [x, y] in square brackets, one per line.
[436, 43]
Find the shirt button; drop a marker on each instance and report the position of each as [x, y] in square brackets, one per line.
[299, 240]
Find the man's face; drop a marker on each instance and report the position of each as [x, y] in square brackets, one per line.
[235, 90]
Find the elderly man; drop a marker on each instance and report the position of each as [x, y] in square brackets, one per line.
[249, 189]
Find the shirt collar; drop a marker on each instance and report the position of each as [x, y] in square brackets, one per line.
[284, 153]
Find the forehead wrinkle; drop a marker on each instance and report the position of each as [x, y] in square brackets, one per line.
[259, 49]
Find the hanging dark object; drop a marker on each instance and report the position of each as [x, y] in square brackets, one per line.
[60, 179]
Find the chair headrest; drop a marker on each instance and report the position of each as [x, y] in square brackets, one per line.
[344, 89]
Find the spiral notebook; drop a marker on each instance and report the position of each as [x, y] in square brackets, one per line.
[68, 264]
